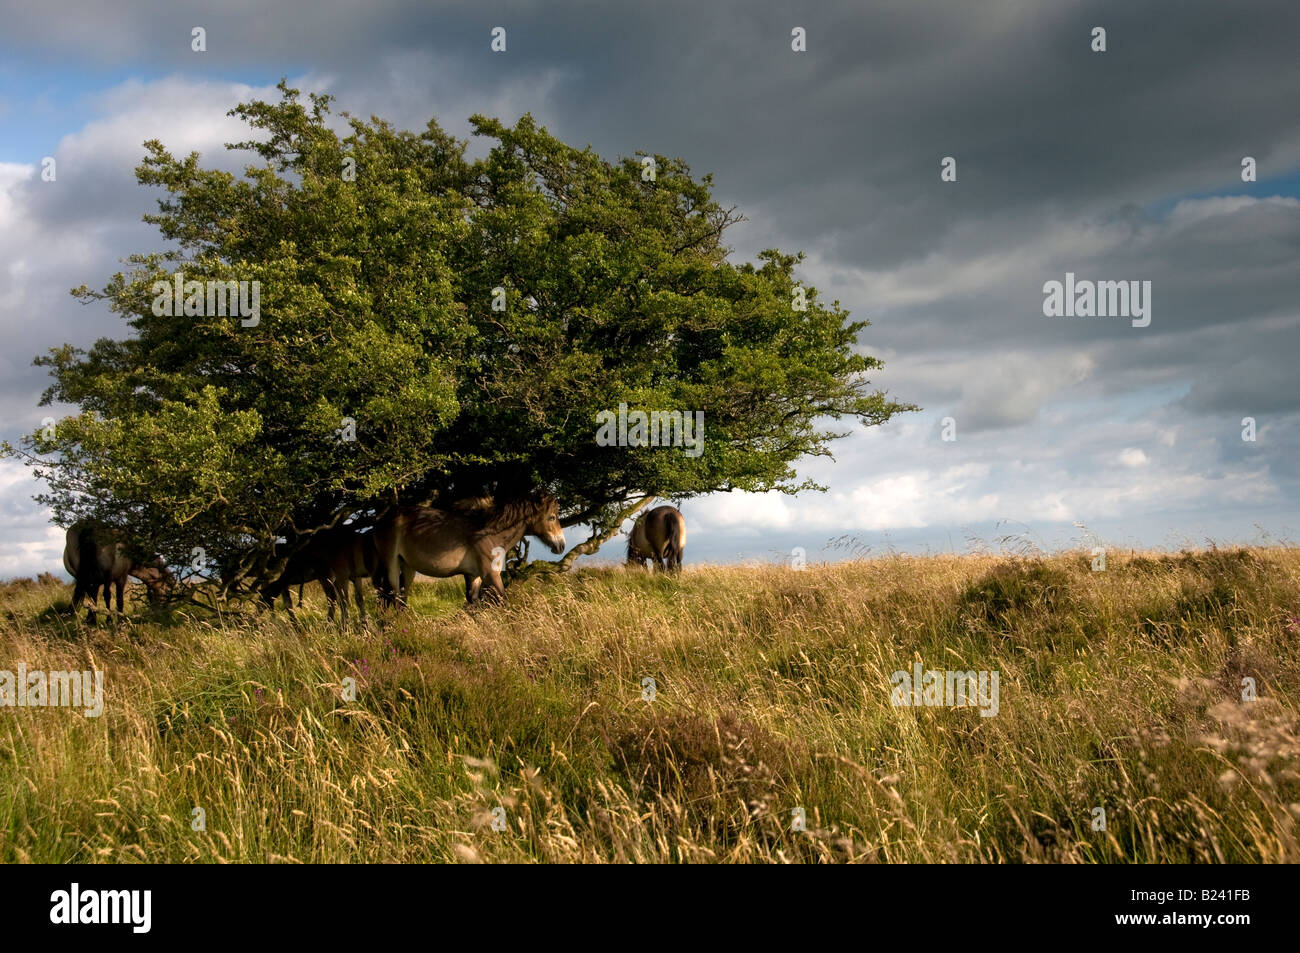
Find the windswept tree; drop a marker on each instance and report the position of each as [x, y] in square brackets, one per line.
[416, 325]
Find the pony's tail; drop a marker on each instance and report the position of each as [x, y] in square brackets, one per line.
[88, 556]
[676, 540]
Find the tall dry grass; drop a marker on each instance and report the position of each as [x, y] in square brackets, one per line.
[1119, 690]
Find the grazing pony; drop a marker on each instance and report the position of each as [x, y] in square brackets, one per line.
[659, 535]
[333, 557]
[469, 538]
[94, 556]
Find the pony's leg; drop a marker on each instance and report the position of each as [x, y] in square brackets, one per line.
[341, 594]
[385, 594]
[92, 614]
[340, 587]
[121, 590]
[395, 579]
[359, 594]
[472, 586]
[496, 587]
[407, 577]
[287, 600]
[79, 596]
[331, 596]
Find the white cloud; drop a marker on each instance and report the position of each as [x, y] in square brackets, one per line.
[1193, 211]
[30, 557]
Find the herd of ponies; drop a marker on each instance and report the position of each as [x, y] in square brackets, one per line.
[467, 538]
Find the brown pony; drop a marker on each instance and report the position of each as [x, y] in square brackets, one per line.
[333, 557]
[94, 556]
[469, 539]
[659, 535]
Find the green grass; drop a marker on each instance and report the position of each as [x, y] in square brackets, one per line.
[1119, 689]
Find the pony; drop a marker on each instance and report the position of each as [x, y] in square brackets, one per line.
[659, 535]
[333, 557]
[96, 556]
[469, 538]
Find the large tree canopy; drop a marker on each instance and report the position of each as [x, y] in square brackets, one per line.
[465, 321]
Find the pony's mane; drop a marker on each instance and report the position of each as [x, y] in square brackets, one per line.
[487, 512]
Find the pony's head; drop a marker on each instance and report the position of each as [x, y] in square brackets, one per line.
[157, 578]
[544, 520]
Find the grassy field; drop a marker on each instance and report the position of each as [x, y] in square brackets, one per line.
[1119, 690]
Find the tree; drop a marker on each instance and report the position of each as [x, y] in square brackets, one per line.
[469, 323]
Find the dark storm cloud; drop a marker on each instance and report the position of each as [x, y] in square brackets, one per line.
[836, 150]
[839, 145]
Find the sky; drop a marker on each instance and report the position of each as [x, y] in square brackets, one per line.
[1117, 165]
